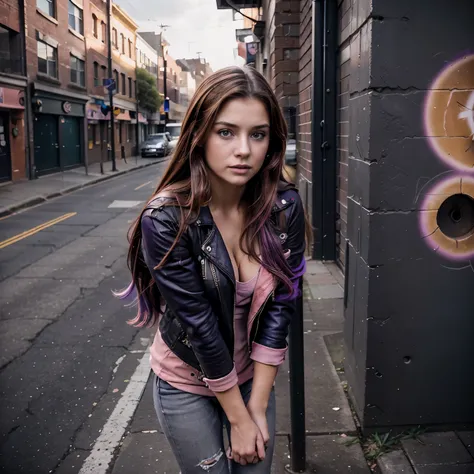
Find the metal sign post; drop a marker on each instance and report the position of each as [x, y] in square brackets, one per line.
[297, 398]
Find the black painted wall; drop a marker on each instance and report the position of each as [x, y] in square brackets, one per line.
[409, 328]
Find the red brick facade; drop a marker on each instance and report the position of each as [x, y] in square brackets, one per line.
[12, 84]
[304, 105]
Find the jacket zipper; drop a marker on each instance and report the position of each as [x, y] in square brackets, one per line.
[257, 320]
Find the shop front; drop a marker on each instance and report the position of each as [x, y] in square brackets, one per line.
[125, 133]
[12, 134]
[58, 130]
[98, 130]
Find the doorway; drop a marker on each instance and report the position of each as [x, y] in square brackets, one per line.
[71, 152]
[46, 144]
[5, 153]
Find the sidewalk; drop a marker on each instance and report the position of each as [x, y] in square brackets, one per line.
[15, 196]
[329, 422]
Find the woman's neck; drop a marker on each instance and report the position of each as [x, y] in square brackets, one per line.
[225, 197]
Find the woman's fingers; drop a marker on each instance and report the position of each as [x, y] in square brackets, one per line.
[260, 446]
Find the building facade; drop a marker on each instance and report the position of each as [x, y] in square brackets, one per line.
[125, 105]
[14, 144]
[385, 99]
[147, 58]
[56, 58]
[98, 124]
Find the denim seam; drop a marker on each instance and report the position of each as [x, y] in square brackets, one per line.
[170, 440]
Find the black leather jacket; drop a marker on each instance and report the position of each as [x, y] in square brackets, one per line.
[198, 285]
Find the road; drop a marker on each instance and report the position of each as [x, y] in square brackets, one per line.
[67, 356]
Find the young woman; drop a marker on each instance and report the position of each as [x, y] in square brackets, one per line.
[216, 257]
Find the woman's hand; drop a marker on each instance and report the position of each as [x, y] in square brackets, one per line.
[246, 440]
[259, 417]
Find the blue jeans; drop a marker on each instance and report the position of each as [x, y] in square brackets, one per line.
[194, 427]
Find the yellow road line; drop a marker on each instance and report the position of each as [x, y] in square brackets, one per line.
[143, 185]
[34, 230]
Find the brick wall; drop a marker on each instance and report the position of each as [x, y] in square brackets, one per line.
[304, 178]
[57, 30]
[97, 46]
[352, 15]
[9, 14]
[343, 77]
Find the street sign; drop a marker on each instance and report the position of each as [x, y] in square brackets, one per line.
[166, 105]
[109, 85]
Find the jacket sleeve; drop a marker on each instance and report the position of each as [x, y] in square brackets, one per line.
[180, 284]
[270, 345]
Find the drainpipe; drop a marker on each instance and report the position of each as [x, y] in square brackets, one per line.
[323, 128]
[28, 109]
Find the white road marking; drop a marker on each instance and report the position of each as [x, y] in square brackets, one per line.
[102, 453]
[124, 204]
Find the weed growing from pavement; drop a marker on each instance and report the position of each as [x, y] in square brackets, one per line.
[378, 444]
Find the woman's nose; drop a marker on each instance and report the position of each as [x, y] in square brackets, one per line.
[243, 148]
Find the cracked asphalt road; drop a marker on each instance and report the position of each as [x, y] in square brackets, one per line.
[66, 352]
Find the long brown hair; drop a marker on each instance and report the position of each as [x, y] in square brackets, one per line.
[187, 176]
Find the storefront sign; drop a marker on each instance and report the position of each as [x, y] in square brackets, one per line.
[67, 107]
[11, 98]
[93, 112]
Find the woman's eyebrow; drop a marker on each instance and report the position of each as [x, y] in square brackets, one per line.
[233, 125]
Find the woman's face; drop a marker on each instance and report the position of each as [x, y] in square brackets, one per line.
[238, 142]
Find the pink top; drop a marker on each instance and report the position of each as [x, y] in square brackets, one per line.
[182, 376]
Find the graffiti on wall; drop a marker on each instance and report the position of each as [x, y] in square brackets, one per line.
[447, 202]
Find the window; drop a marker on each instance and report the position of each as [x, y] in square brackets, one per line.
[75, 18]
[96, 74]
[77, 71]
[104, 31]
[291, 53]
[47, 59]
[130, 91]
[122, 41]
[116, 77]
[10, 52]
[124, 84]
[103, 72]
[47, 6]
[114, 38]
[95, 26]
[130, 49]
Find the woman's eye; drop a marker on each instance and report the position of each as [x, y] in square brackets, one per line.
[224, 133]
[258, 135]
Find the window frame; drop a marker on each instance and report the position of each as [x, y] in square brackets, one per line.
[130, 88]
[123, 84]
[82, 78]
[114, 38]
[96, 74]
[48, 61]
[95, 26]
[78, 15]
[52, 7]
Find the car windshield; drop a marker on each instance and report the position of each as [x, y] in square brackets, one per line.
[155, 139]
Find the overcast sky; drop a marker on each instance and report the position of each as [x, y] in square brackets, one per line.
[195, 25]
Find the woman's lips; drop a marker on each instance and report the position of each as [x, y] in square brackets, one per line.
[240, 169]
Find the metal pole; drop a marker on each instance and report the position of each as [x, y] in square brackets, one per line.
[111, 94]
[165, 84]
[297, 399]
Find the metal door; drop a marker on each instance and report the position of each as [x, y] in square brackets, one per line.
[46, 144]
[71, 146]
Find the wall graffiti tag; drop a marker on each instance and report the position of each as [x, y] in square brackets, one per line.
[447, 203]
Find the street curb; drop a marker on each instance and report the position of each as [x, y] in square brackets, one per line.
[6, 211]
